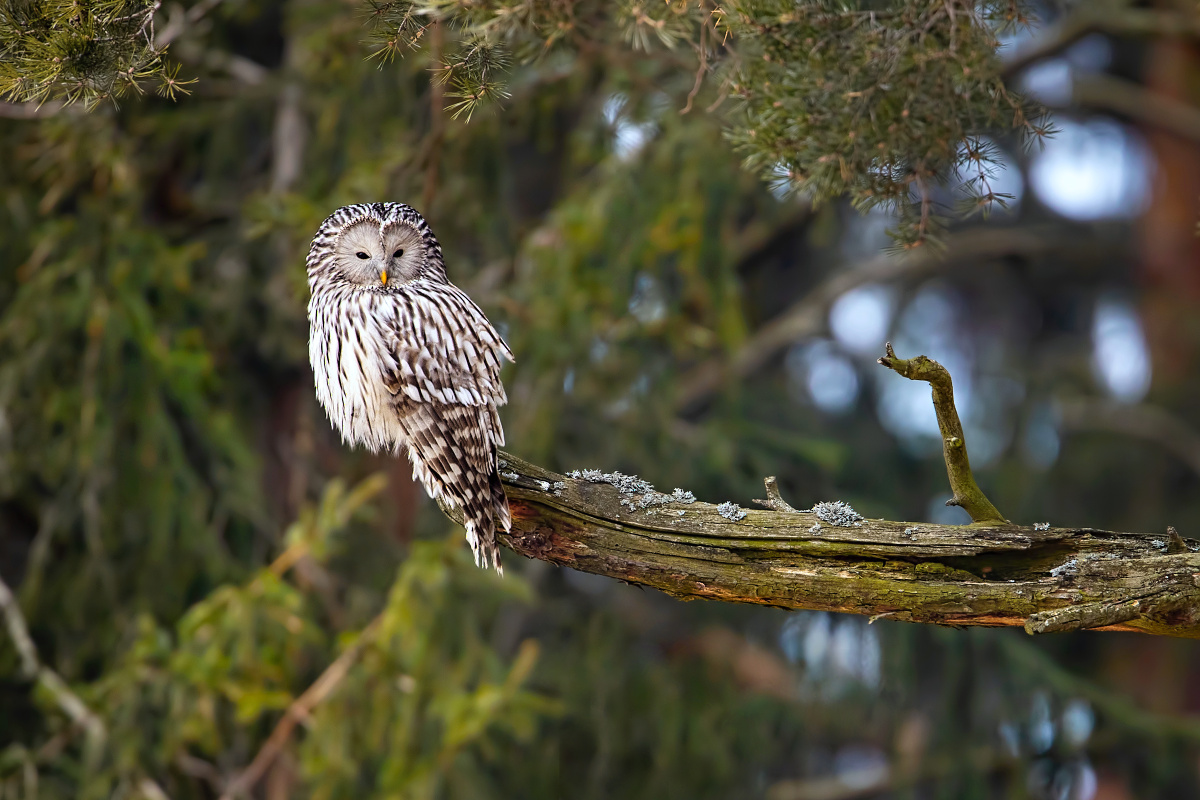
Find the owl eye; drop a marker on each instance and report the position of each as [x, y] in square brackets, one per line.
[398, 253]
[362, 255]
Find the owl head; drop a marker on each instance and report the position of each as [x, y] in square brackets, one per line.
[376, 247]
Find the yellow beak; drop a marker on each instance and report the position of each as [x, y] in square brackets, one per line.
[383, 276]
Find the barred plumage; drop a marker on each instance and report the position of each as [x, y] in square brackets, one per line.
[403, 357]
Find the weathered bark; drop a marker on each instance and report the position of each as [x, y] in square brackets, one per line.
[991, 573]
[1046, 580]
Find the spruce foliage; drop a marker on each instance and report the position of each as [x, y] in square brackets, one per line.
[883, 101]
[81, 50]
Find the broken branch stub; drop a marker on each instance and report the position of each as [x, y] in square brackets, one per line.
[967, 493]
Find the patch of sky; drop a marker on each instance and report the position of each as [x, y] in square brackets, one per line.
[1120, 359]
[628, 135]
[1078, 722]
[1093, 169]
[598, 351]
[819, 372]
[837, 653]
[647, 302]
[860, 318]
[1049, 81]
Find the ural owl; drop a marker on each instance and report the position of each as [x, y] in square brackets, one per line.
[401, 356]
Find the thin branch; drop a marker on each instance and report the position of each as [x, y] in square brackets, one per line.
[1097, 17]
[151, 790]
[876, 783]
[14, 620]
[967, 493]
[287, 139]
[1128, 99]
[195, 767]
[807, 317]
[702, 49]
[1147, 422]
[179, 21]
[49, 680]
[299, 711]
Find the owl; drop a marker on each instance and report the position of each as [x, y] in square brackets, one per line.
[404, 358]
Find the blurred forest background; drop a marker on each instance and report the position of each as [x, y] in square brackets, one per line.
[222, 600]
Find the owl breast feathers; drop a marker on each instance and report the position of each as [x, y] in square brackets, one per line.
[402, 357]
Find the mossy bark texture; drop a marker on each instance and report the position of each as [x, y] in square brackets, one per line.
[991, 572]
[1054, 579]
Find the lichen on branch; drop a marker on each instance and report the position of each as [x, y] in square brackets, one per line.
[999, 574]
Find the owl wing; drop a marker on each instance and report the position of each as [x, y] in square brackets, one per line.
[443, 349]
[442, 368]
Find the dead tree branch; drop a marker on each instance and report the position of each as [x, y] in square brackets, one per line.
[1046, 579]
[829, 558]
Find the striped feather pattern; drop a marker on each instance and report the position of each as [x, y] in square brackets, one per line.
[414, 365]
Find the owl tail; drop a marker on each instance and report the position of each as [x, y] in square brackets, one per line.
[480, 519]
[451, 459]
